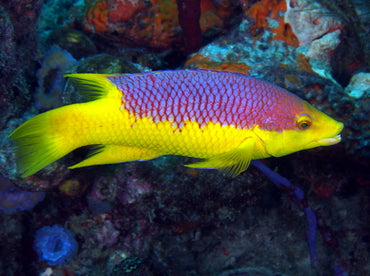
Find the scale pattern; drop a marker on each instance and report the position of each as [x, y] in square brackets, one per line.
[229, 99]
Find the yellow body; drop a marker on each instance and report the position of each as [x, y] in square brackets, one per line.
[104, 121]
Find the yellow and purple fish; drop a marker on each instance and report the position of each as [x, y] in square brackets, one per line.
[226, 118]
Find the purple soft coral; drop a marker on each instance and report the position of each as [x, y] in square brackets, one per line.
[298, 196]
[189, 15]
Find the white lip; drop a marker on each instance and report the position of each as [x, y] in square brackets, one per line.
[330, 141]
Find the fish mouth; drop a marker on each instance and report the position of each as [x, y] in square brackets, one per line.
[330, 141]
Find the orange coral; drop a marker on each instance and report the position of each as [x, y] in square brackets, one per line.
[164, 23]
[259, 11]
[285, 33]
[272, 9]
[97, 17]
[200, 62]
[303, 63]
[212, 15]
[152, 23]
[121, 11]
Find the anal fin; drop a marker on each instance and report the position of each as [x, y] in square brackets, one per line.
[110, 154]
[232, 162]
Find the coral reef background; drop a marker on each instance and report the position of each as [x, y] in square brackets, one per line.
[157, 217]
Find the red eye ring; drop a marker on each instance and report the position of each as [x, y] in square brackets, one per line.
[304, 124]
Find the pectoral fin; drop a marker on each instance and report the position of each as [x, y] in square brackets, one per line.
[232, 162]
[109, 154]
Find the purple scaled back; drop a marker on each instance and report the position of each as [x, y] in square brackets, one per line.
[230, 99]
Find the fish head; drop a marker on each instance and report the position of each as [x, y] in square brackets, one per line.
[310, 128]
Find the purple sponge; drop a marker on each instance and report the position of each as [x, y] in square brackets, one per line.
[13, 199]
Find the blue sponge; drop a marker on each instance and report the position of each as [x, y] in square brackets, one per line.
[55, 244]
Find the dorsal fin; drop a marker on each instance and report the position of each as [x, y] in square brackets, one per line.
[95, 86]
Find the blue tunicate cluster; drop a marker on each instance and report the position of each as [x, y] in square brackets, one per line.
[55, 244]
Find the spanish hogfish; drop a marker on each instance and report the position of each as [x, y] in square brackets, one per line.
[226, 118]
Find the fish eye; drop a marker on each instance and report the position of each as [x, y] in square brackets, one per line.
[304, 122]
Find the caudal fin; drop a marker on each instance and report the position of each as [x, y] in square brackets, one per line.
[53, 134]
[39, 142]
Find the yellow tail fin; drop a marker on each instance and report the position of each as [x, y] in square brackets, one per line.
[39, 142]
[49, 136]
